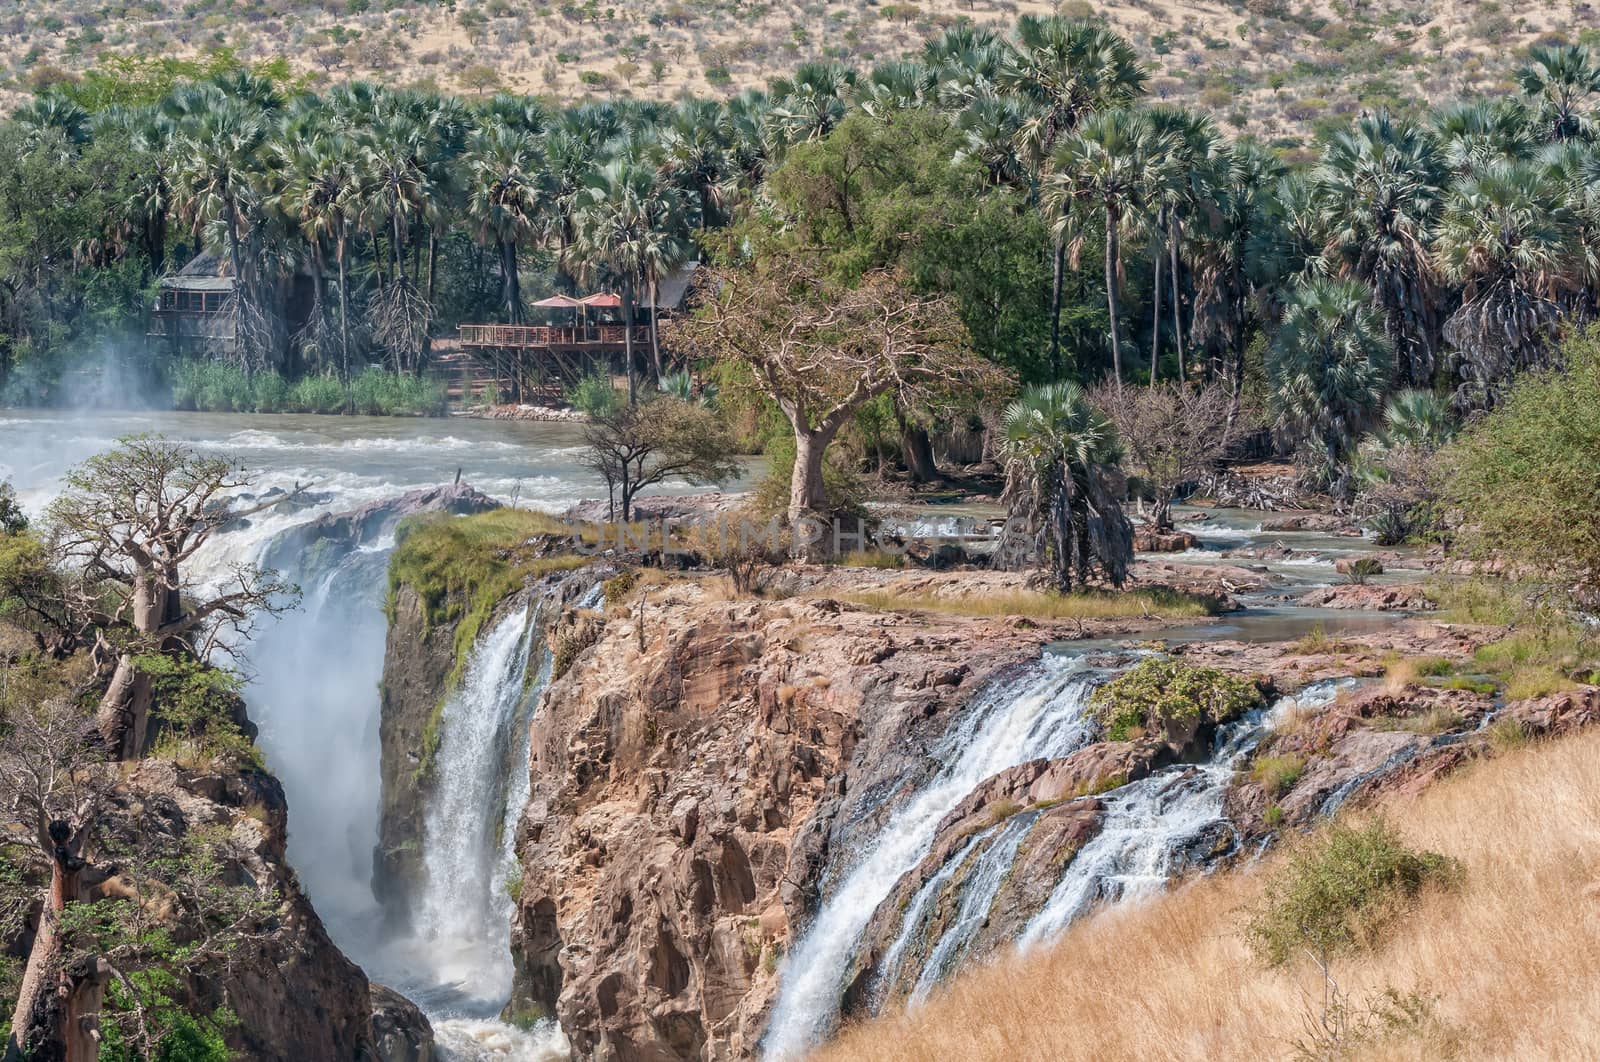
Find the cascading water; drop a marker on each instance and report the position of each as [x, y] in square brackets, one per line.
[1040, 715]
[462, 917]
[982, 885]
[1153, 824]
[314, 673]
[462, 910]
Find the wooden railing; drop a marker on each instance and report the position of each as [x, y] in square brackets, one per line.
[484, 335]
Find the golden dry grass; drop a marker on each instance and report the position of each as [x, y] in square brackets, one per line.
[1511, 961]
[1131, 604]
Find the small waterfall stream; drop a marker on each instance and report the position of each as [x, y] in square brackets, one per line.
[462, 912]
[1152, 825]
[1041, 714]
[462, 918]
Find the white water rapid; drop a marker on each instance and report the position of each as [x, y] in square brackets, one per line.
[1041, 714]
[1151, 824]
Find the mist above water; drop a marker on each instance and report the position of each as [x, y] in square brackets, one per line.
[313, 673]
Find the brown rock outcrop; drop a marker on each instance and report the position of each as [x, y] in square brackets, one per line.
[1148, 539]
[295, 995]
[1396, 598]
[690, 783]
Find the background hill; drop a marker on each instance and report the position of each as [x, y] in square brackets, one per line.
[1272, 67]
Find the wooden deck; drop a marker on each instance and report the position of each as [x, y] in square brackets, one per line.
[551, 337]
[534, 358]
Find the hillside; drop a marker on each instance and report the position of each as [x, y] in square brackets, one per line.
[1272, 67]
[1502, 968]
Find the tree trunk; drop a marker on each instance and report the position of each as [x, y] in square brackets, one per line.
[1056, 281]
[344, 309]
[627, 343]
[512, 282]
[123, 717]
[1177, 302]
[55, 1012]
[808, 495]
[1111, 295]
[916, 449]
[1155, 315]
[655, 340]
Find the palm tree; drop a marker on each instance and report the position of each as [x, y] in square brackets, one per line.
[631, 230]
[1104, 169]
[1178, 189]
[506, 196]
[1508, 238]
[1561, 78]
[1483, 132]
[1070, 68]
[572, 153]
[697, 155]
[54, 113]
[1287, 245]
[899, 85]
[1327, 370]
[216, 164]
[397, 177]
[810, 103]
[990, 127]
[1382, 185]
[1067, 69]
[1418, 419]
[148, 203]
[1062, 488]
[321, 193]
[1239, 181]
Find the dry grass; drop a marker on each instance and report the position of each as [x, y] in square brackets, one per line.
[1131, 604]
[1510, 962]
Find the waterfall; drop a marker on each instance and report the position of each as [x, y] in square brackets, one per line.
[1151, 826]
[461, 917]
[981, 886]
[1040, 715]
[311, 691]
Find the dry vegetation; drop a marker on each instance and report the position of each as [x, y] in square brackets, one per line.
[1502, 967]
[1275, 67]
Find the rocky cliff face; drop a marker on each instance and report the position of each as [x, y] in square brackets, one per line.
[693, 771]
[294, 994]
[417, 661]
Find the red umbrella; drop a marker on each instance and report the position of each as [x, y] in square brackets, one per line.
[602, 300]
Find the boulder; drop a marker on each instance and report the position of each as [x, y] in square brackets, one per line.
[1558, 713]
[1147, 539]
[1396, 598]
[400, 1031]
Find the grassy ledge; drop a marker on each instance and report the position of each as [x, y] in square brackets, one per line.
[463, 568]
[1156, 603]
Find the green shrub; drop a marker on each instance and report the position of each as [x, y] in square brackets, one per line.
[375, 392]
[1359, 571]
[1506, 734]
[317, 394]
[269, 393]
[1523, 476]
[1165, 694]
[594, 395]
[1342, 890]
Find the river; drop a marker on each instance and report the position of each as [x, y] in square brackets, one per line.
[313, 674]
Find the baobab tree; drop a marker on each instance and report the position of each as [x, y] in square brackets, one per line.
[125, 532]
[821, 351]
